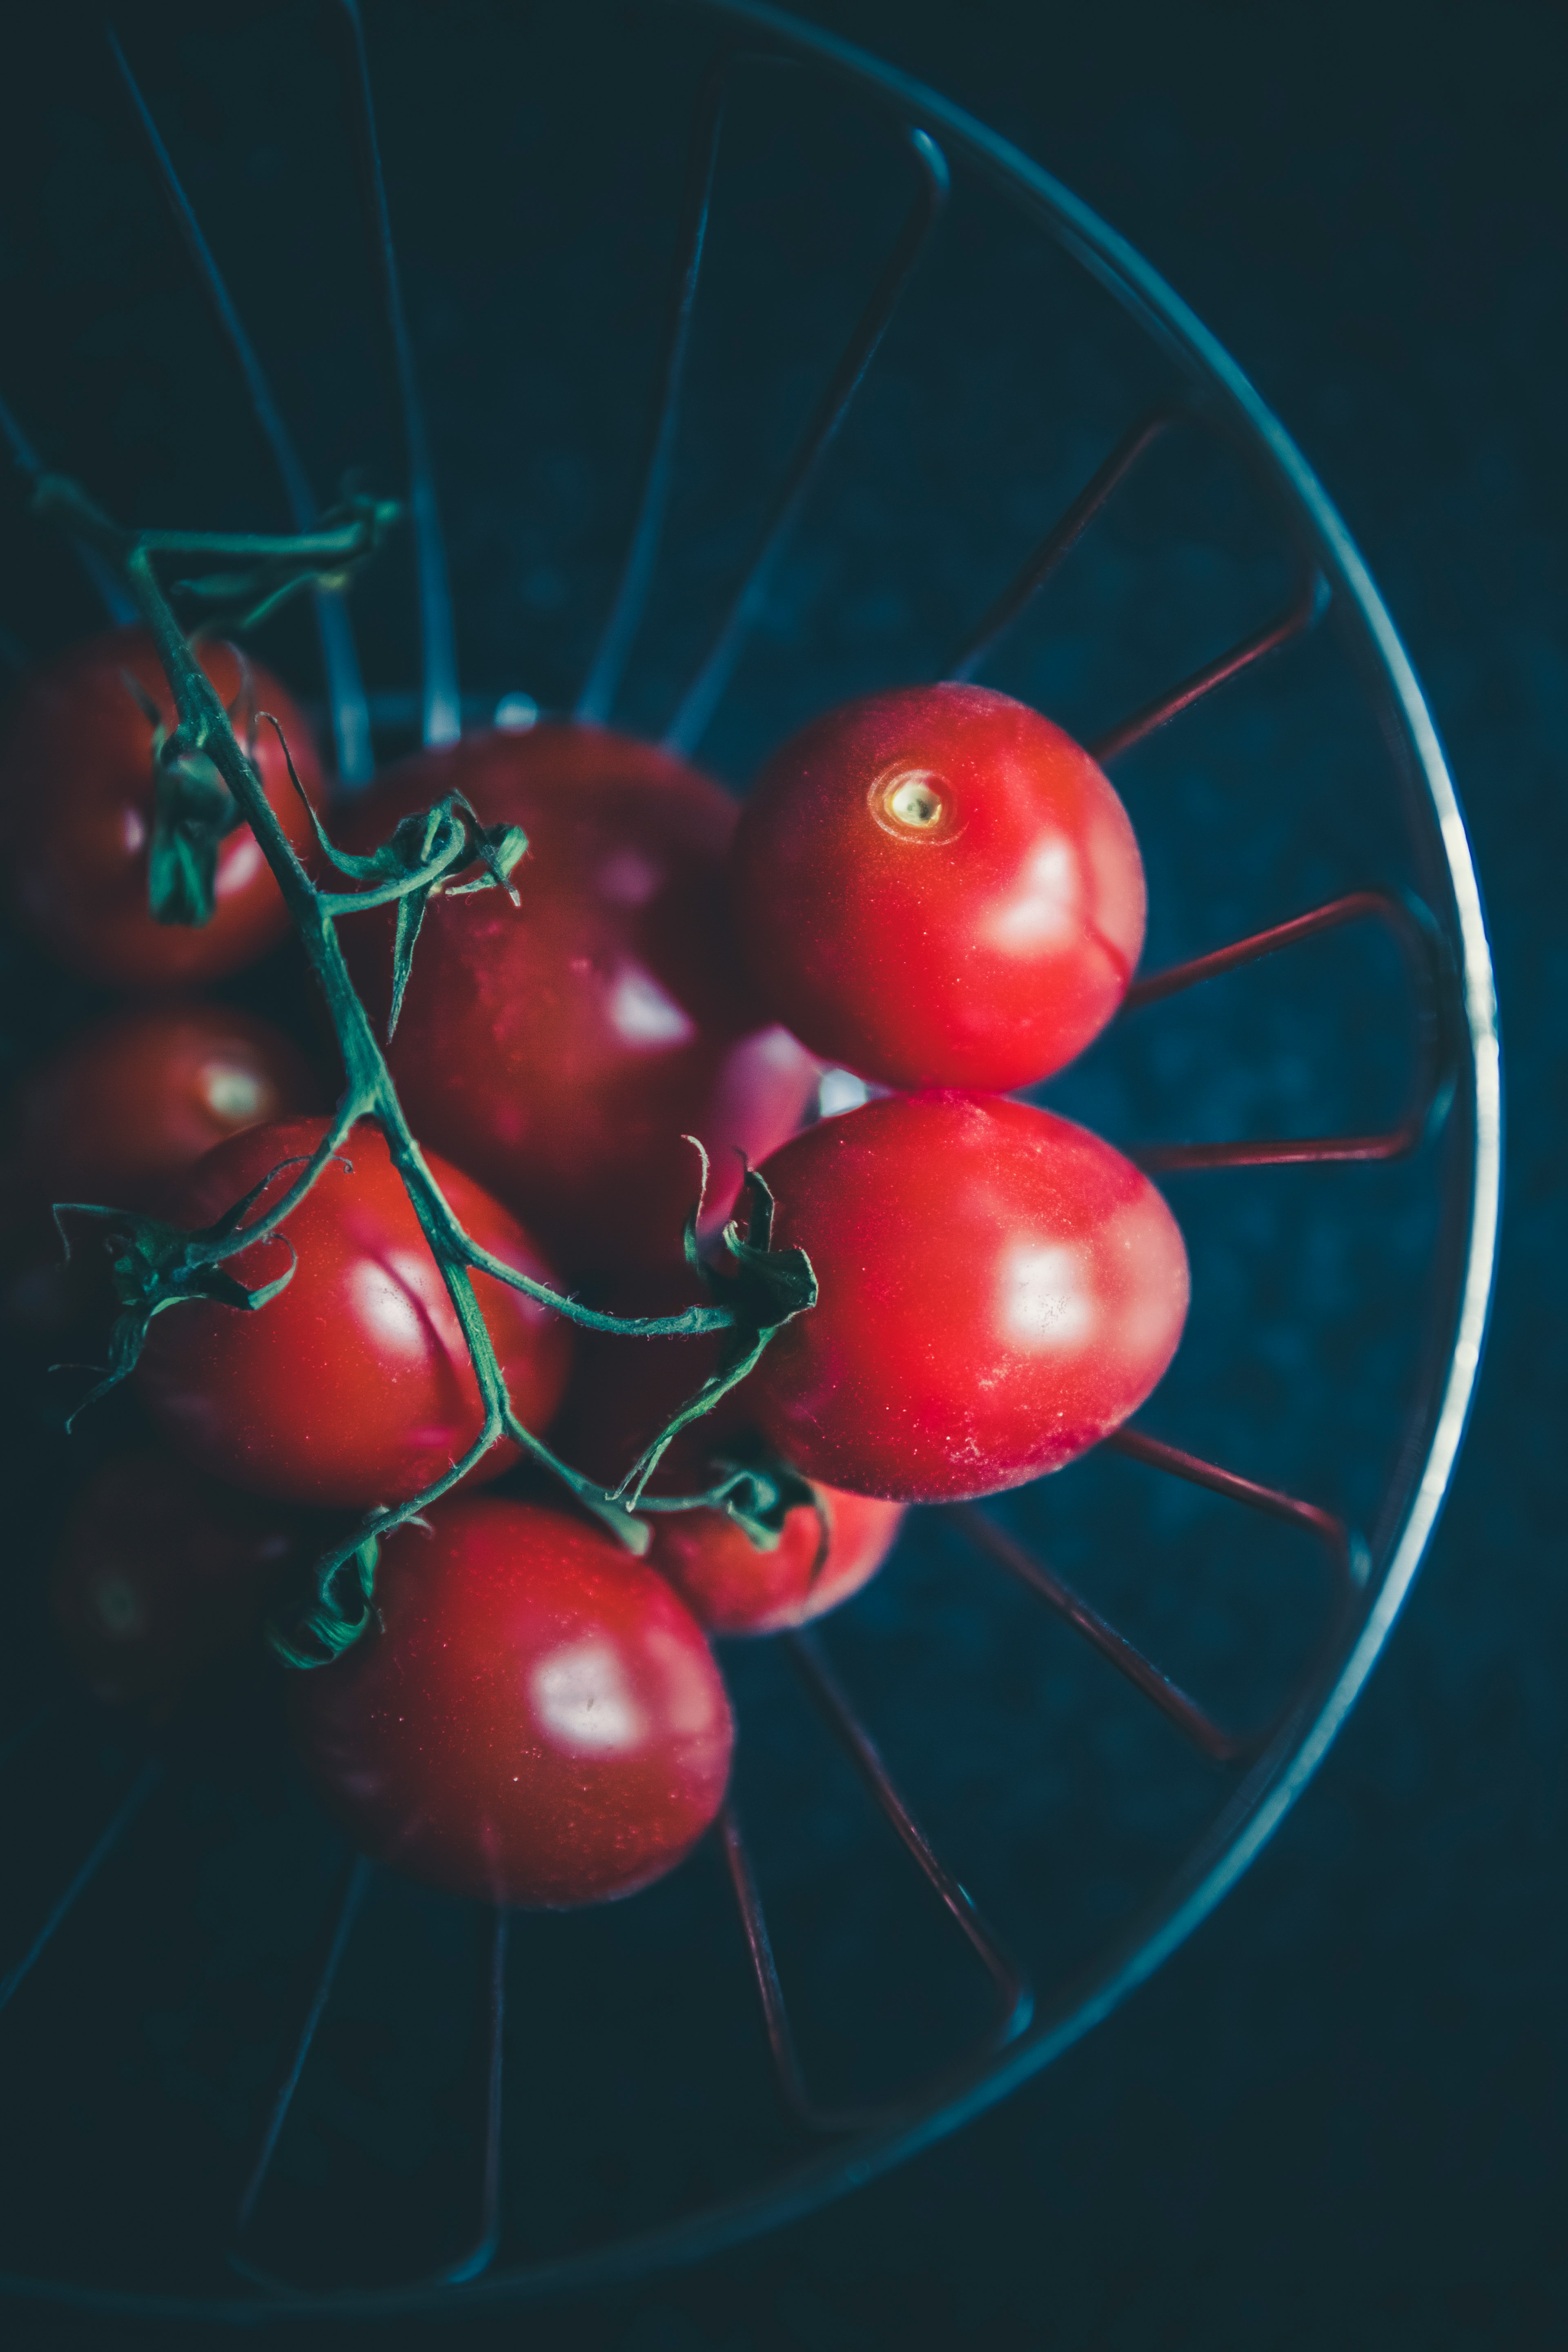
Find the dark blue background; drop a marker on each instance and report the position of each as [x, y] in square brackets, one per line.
[1337, 2118]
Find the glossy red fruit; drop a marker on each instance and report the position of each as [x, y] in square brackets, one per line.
[133, 1099]
[999, 1290]
[623, 1392]
[114, 1115]
[561, 1050]
[537, 1720]
[160, 1574]
[730, 1587]
[353, 1386]
[76, 817]
[937, 887]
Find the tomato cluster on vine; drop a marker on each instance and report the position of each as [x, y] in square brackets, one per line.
[937, 1294]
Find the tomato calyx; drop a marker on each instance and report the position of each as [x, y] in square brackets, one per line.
[764, 1488]
[161, 1266]
[191, 813]
[345, 1607]
[192, 809]
[763, 1290]
[758, 1490]
[758, 1487]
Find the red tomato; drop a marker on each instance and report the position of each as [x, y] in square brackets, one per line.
[622, 1393]
[133, 1099]
[159, 1574]
[353, 1387]
[730, 1587]
[121, 1109]
[562, 1051]
[76, 817]
[999, 1290]
[937, 887]
[536, 1720]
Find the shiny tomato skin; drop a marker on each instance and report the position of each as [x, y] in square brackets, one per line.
[561, 1050]
[118, 1111]
[135, 1098]
[537, 1720]
[999, 1290]
[353, 1386]
[76, 817]
[160, 1574]
[623, 1392]
[936, 887]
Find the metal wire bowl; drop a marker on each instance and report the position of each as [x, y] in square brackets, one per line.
[1419, 887]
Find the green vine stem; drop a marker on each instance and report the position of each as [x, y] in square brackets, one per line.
[161, 1266]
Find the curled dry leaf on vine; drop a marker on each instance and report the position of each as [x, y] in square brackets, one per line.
[160, 1266]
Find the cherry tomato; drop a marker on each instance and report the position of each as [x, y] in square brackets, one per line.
[353, 1386]
[76, 817]
[560, 1051]
[623, 1392]
[999, 1290]
[730, 1587]
[121, 1109]
[133, 1099]
[159, 1573]
[536, 1720]
[937, 887]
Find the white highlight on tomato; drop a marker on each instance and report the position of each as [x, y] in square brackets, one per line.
[1043, 1303]
[840, 1091]
[579, 1694]
[391, 1298]
[1043, 904]
[641, 1014]
[239, 864]
[234, 1094]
